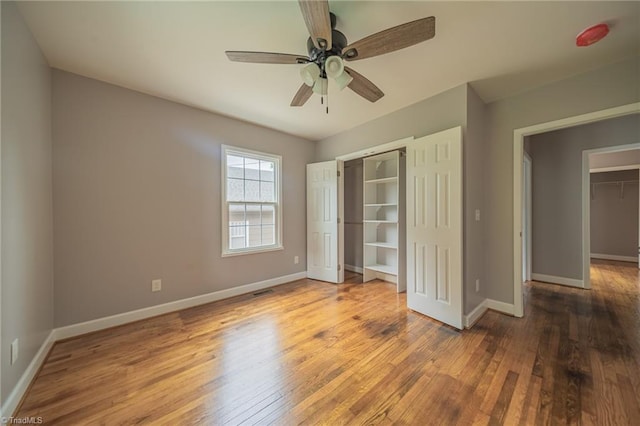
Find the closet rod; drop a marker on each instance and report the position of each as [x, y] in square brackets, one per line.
[615, 181]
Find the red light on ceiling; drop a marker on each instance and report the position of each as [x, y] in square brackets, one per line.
[592, 34]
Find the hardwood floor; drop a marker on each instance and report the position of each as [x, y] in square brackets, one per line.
[317, 353]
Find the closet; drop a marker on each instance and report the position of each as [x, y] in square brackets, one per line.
[383, 218]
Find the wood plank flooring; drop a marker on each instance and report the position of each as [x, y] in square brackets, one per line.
[316, 353]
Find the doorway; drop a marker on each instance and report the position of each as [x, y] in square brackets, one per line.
[352, 200]
[614, 204]
[374, 217]
[518, 166]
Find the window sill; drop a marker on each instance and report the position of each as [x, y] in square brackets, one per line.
[251, 251]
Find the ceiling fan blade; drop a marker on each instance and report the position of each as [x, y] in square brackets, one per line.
[302, 96]
[316, 16]
[391, 39]
[363, 87]
[266, 57]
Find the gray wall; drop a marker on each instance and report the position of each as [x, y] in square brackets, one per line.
[607, 87]
[27, 231]
[440, 112]
[137, 197]
[443, 111]
[557, 190]
[353, 226]
[614, 213]
[474, 170]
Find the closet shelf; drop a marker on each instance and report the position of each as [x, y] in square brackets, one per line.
[383, 180]
[381, 205]
[382, 244]
[380, 221]
[385, 269]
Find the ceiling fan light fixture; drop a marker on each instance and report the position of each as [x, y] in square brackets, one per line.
[309, 74]
[343, 80]
[334, 67]
[327, 49]
[320, 86]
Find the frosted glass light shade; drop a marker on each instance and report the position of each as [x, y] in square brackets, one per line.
[343, 80]
[334, 66]
[320, 87]
[309, 74]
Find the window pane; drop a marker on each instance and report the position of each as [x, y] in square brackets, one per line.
[235, 166]
[237, 226]
[237, 231]
[268, 235]
[267, 170]
[267, 192]
[255, 238]
[236, 214]
[268, 214]
[253, 214]
[251, 169]
[251, 190]
[235, 190]
[236, 242]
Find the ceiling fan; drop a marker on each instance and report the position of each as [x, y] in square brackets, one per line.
[328, 48]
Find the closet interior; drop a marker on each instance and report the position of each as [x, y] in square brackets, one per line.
[374, 227]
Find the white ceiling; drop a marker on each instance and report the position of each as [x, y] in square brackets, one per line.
[175, 50]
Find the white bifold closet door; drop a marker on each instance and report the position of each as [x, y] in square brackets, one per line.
[323, 227]
[434, 226]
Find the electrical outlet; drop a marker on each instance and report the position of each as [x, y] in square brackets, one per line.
[14, 351]
[477, 285]
[296, 259]
[477, 215]
[156, 285]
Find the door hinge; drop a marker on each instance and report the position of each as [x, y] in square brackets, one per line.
[338, 173]
[339, 267]
[338, 220]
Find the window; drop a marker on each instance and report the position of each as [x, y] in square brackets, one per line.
[251, 213]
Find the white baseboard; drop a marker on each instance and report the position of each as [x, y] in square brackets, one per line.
[495, 305]
[127, 317]
[474, 316]
[21, 387]
[352, 268]
[571, 282]
[505, 308]
[633, 259]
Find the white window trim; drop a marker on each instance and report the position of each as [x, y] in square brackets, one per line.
[277, 159]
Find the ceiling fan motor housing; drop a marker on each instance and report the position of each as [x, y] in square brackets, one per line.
[338, 42]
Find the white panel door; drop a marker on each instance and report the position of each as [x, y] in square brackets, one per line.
[322, 221]
[434, 226]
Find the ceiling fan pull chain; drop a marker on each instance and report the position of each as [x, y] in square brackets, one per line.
[327, 96]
